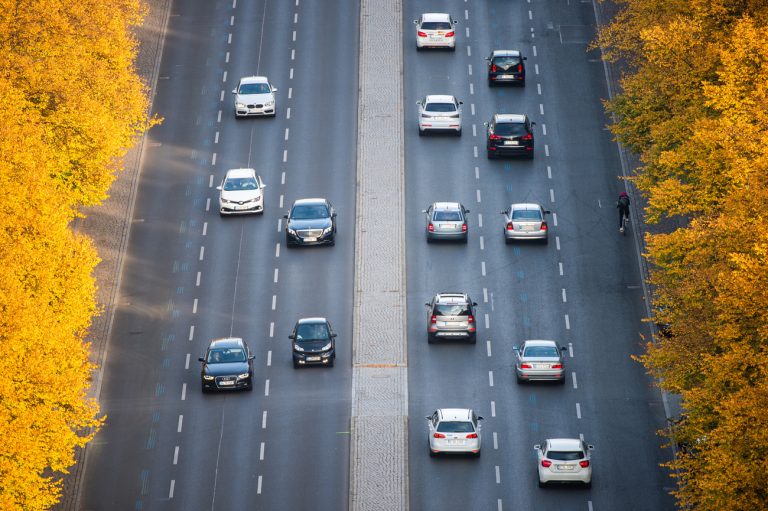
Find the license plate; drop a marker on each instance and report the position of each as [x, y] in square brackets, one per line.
[533, 228]
[225, 383]
[539, 366]
[455, 442]
[313, 359]
[565, 467]
[510, 142]
[447, 227]
[310, 238]
[506, 76]
[242, 206]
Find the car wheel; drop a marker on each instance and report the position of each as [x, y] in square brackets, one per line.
[430, 338]
[419, 48]
[491, 156]
[333, 241]
[476, 454]
[331, 362]
[465, 240]
[295, 364]
[249, 388]
[429, 240]
[202, 387]
[458, 132]
[491, 83]
[473, 339]
[545, 241]
[542, 484]
[507, 241]
[562, 380]
[421, 132]
[432, 453]
[588, 485]
[453, 48]
[529, 156]
[520, 381]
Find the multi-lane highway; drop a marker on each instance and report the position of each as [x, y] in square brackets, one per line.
[192, 276]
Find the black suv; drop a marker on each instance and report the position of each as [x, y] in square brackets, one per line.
[509, 135]
[310, 222]
[506, 66]
[314, 342]
[451, 316]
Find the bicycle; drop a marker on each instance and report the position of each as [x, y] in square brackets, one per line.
[623, 225]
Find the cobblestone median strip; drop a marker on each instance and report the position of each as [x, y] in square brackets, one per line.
[379, 469]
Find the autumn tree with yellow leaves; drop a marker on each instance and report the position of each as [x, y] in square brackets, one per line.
[694, 107]
[71, 105]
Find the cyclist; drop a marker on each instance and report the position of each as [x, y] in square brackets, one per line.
[623, 205]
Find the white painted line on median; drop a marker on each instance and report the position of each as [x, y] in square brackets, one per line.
[575, 385]
[181, 421]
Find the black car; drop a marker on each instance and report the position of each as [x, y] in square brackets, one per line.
[509, 135]
[227, 364]
[506, 66]
[314, 342]
[310, 222]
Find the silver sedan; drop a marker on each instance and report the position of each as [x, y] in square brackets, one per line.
[539, 360]
[525, 222]
[439, 113]
[446, 221]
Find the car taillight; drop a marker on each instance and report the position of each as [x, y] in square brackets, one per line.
[529, 136]
[472, 435]
[546, 463]
[431, 227]
[493, 136]
[556, 366]
[519, 68]
[543, 226]
[450, 34]
[584, 463]
[438, 435]
[464, 227]
[470, 319]
[422, 34]
[493, 68]
[433, 319]
[525, 366]
[510, 227]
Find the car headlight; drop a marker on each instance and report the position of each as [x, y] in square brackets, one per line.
[239, 105]
[297, 347]
[208, 377]
[271, 102]
[327, 347]
[224, 201]
[290, 231]
[326, 231]
[242, 376]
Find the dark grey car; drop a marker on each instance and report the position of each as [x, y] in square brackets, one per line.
[446, 221]
[314, 342]
[310, 222]
[227, 364]
[451, 316]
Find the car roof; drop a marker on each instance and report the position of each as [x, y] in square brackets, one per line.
[311, 201]
[254, 79]
[227, 342]
[539, 343]
[564, 444]
[505, 53]
[524, 205]
[440, 98]
[447, 206]
[305, 321]
[435, 16]
[455, 414]
[241, 172]
[515, 118]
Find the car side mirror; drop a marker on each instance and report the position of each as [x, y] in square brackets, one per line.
[466, 211]
[525, 58]
[455, 22]
[274, 89]
[533, 124]
[263, 185]
[423, 210]
[426, 304]
[474, 304]
[418, 102]
[485, 124]
[515, 348]
[333, 215]
[252, 357]
[590, 447]
[285, 216]
[201, 359]
[218, 187]
[415, 22]
[333, 335]
[234, 91]
[547, 212]
[428, 417]
[488, 58]
[291, 336]
[537, 447]
[563, 348]
[480, 418]
[461, 102]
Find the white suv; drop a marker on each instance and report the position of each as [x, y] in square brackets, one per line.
[564, 460]
[435, 30]
[454, 430]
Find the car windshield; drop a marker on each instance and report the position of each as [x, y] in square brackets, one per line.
[240, 183]
[226, 355]
[510, 129]
[506, 62]
[526, 214]
[447, 216]
[435, 25]
[254, 88]
[455, 427]
[541, 351]
[447, 309]
[309, 212]
[565, 455]
[312, 331]
[440, 107]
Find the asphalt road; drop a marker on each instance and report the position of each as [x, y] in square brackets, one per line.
[191, 276]
[582, 289]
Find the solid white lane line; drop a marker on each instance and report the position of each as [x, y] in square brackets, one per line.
[578, 411]
[202, 252]
[264, 420]
[575, 385]
[276, 272]
[183, 391]
[557, 242]
[488, 347]
[261, 452]
[186, 362]
[277, 249]
[567, 323]
[495, 441]
[269, 358]
[170, 492]
[271, 329]
[552, 195]
[560, 265]
[176, 455]
[564, 298]
[181, 421]
[194, 306]
[487, 321]
[197, 280]
[208, 204]
[570, 349]
[205, 228]
[482, 267]
[498, 475]
[479, 220]
[258, 486]
[485, 295]
[490, 378]
[266, 388]
[191, 332]
[493, 408]
[288, 113]
[482, 243]
[274, 302]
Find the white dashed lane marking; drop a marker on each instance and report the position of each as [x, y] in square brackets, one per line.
[183, 391]
[264, 420]
[266, 387]
[495, 441]
[176, 455]
[181, 421]
[191, 332]
[578, 411]
[490, 378]
[493, 408]
[573, 376]
[186, 362]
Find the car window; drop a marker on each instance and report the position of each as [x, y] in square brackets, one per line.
[308, 212]
[240, 183]
[226, 355]
[541, 351]
[435, 25]
[508, 129]
[312, 331]
[565, 455]
[444, 309]
[447, 216]
[440, 107]
[455, 427]
[506, 62]
[526, 214]
[254, 88]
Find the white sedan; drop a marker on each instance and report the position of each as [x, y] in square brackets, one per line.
[564, 460]
[241, 192]
[254, 95]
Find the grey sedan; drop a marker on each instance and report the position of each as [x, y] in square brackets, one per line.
[525, 222]
[539, 360]
[446, 221]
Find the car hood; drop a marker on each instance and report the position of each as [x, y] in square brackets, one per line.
[253, 98]
[314, 223]
[225, 369]
[240, 195]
